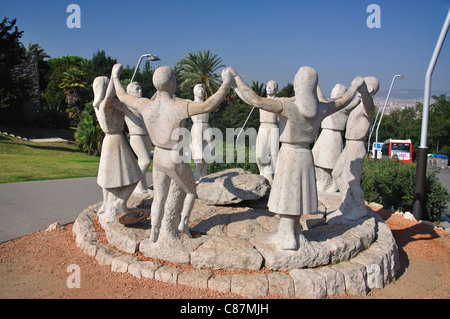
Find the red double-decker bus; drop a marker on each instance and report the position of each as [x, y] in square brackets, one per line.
[400, 150]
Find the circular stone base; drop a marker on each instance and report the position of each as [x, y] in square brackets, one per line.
[354, 257]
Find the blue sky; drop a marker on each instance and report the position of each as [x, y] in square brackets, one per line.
[262, 40]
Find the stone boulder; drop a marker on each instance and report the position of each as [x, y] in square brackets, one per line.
[232, 186]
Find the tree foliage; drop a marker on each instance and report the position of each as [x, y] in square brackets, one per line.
[200, 68]
[12, 87]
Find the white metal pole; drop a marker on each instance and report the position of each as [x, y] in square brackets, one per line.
[384, 107]
[421, 166]
[426, 94]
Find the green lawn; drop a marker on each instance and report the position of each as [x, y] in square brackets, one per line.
[28, 161]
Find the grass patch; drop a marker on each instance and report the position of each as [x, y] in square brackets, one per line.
[22, 161]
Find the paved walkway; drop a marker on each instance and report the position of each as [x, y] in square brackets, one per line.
[31, 206]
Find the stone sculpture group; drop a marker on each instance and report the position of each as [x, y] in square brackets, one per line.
[314, 234]
[291, 170]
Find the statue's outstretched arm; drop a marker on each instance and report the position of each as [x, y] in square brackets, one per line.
[251, 98]
[195, 108]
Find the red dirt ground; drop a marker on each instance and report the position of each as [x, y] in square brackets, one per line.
[35, 266]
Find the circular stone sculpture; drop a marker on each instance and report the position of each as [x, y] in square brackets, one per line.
[332, 258]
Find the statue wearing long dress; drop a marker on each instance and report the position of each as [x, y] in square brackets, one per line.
[329, 145]
[348, 170]
[118, 171]
[294, 185]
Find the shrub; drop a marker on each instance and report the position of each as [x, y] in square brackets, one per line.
[89, 135]
[391, 184]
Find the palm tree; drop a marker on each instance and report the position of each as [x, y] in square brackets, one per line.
[74, 83]
[40, 51]
[258, 88]
[200, 68]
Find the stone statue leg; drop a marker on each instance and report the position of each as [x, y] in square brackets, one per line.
[274, 147]
[116, 203]
[142, 145]
[201, 169]
[287, 228]
[185, 179]
[262, 153]
[161, 185]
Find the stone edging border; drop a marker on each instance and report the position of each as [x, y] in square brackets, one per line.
[373, 268]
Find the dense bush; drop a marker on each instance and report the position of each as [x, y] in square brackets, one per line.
[89, 135]
[391, 184]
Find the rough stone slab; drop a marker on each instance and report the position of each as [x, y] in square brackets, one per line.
[167, 274]
[172, 249]
[335, 281]
[281, 284]
[221, 283]
[308, 284]
[83, 229]
[232, 186]
[126, 238]
[120, 264]
[105, 254]
[90, 248]
[355, 277]
[195, 278]
[311, 253]
[145, 269]
[227, 253]
[250, 285]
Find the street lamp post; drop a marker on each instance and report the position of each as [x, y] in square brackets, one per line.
[150, 57]
[382, 113]
[421, 166]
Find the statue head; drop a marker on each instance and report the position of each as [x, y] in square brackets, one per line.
[164, 79]
[305, 81]
[305, 88]
[271, 88]
[134, 89]
[338, 91]
[372, 84]
[199, 92]
[99, 87]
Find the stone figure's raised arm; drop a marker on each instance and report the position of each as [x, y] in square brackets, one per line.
[320, 94]
[128, 99]
[103, 92]
[334, 106]
[198, 107]
[367, 99]
[251, 98]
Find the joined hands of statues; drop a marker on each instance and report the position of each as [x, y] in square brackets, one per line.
[228, 75]
[358, 82]
[117, 70]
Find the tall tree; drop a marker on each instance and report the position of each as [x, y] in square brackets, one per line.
[12, 92]
[200, 68]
